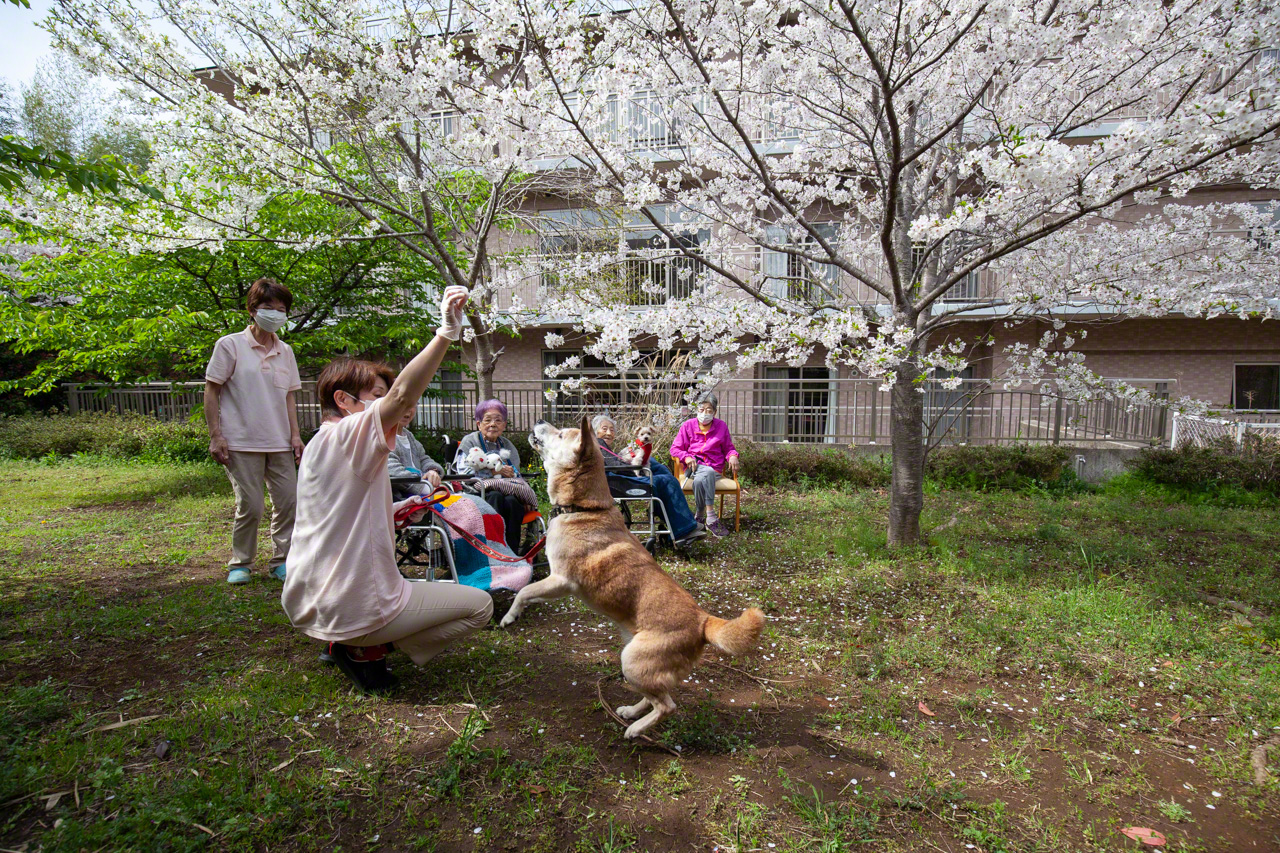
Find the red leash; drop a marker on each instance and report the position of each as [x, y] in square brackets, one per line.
[405, 513]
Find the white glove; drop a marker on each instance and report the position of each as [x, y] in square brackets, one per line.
[451, 304]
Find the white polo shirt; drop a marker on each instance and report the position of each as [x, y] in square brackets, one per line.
[343, 581]
[254, 380]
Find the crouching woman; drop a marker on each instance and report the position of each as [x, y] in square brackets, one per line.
[343, 586]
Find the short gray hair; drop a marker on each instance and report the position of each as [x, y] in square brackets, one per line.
[707, 397]
[599, 419]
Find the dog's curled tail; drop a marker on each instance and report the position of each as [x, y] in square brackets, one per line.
[735, 636]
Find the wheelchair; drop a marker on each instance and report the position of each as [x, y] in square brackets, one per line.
[424, 549]
[643, 511]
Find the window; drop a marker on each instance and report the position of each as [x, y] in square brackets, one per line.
[652, 270]
[643, 386]
[1257, 386]
[1264, 237]
[796, 279]
[964, 290]
[795, 404]
[445, 406]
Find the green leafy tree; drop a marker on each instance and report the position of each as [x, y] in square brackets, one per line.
[127, 316]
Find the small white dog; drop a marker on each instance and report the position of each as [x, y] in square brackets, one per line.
[640, 449]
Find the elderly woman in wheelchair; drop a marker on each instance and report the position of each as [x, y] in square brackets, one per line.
[658, 484]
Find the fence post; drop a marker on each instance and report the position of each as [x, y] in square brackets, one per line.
[1241, 429]
[1057, 421]
[875, 395]
[73, 398]
[1177, 422]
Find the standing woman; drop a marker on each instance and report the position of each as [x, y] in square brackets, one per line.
[249, 405]
[343, 585]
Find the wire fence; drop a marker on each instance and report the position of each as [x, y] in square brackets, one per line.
[810, 411]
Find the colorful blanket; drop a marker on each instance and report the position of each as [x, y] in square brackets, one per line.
[474, 566]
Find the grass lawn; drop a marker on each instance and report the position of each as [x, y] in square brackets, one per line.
[1047, 672]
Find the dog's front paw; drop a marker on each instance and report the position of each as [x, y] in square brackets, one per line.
[511, 616]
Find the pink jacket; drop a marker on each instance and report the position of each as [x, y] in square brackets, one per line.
[712, 449]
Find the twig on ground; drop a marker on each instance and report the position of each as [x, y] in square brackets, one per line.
[123, 723]
[1239, 607]
[476, 705]
[1258, 759]
[757, 677]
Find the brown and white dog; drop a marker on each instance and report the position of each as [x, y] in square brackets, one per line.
[640, 449]
[595, 557]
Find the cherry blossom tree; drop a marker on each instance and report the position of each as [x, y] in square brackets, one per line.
[382, 109]
[887, 152]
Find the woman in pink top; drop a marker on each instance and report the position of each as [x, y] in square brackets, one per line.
[705, 448]
[343, 586]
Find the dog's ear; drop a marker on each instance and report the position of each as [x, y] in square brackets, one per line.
[587, 442]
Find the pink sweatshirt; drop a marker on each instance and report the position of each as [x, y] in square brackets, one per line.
[714, 448]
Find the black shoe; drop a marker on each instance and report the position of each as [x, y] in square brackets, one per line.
[369, 676]
[326, 654]
[699, 532]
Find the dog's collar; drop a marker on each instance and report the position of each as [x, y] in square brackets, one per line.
[564, 509]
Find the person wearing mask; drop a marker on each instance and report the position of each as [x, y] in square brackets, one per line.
[250, 408]
[706, 449]
[343, 586]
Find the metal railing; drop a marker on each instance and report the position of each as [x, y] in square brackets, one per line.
[1194, 431]
[810, 411]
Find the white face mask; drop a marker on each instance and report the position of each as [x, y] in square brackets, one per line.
[705, 418]
[270, 320]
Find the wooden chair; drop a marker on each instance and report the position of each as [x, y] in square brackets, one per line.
[726, 484]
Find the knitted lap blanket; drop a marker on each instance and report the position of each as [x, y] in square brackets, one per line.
[475, 568]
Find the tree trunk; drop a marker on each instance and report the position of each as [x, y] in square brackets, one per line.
[906, 433]
[485, 362]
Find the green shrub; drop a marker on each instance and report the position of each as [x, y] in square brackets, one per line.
[128, 436]
[1254, 467]
[1014, 467]
[798, 465]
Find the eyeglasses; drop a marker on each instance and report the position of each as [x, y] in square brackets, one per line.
[706, 410]
[493, 421]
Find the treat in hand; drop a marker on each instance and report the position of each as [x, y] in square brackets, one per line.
[451, 305]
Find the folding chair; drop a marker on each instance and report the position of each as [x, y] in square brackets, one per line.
[726, 484]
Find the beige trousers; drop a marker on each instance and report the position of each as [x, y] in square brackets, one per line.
[437, 614]
[248, 473]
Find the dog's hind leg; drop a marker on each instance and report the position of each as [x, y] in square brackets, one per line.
[662, 706]
[647, 666]
[549, 588]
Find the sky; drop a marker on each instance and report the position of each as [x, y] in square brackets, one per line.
[22, 44]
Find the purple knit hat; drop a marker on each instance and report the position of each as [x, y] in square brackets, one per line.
[491, 405]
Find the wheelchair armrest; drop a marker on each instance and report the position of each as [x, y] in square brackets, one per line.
[628, 470]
